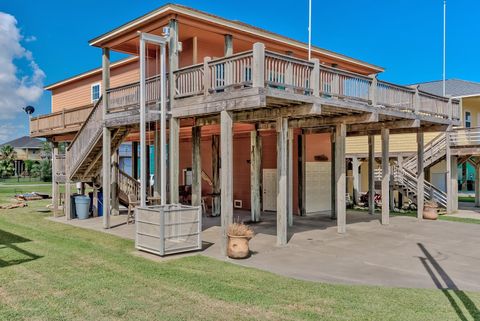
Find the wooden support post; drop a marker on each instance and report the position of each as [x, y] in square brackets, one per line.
[147, 168]
[333, 181]
[67, 202]
[258, 68]
[228, 50]
[135, 160]
[290, 177]
[448, 174]
[420, 175]
[226, 147]
[340, 177]
[315, 77]
[477, 186]
[282, 180]
[115, 199]
[356, 180]
[216, 175]
[400, 194]
[371, 174]
[385, 133]
[372, 92]
[95, 202]
[106, 164]
[172, 59]
[206, 76]
[196, 166]
[255, 175]
[454, 182]
[55, 190]
[301, 173]
[173, 157]
[106, 139]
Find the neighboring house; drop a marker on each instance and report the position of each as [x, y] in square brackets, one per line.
[245, 105]
[26, 148]
[403, 146]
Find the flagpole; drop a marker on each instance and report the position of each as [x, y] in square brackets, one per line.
[309, 29]
[444, 41]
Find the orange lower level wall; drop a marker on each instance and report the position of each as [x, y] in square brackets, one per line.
[316, 145]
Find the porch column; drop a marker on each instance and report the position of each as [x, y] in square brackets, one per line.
[333, 180]
[290, 177]
[228, 45]
[356, 179]
[226, 146]
[55, 167]
[340, 177]
[282, 180]
[371, 174]
[420, 175]
[173, 158]
[216, 174]
[385, 176]
[172, 59]
[400, 194]
[106, 152]
[95, 201]
[196, 166]
[255, 174]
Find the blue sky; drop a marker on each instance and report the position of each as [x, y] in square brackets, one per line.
[403, 36]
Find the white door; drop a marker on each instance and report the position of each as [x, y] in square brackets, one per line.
[270, 189]
[318, 178]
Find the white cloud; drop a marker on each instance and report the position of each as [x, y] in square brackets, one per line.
[16, 91]
[9, 132]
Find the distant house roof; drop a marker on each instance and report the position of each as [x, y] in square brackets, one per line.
[453, 87]
[25, 142]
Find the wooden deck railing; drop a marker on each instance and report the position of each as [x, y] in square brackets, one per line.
[63, 121]
[281, 72]
[465, 137]
[86, 136]
[128, 185]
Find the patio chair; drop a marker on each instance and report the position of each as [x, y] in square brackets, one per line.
[132, 203]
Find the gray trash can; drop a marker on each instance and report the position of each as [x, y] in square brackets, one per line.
[82, 204]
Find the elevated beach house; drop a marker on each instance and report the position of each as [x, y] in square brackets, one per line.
[252, 123]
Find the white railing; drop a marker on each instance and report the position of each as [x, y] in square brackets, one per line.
[189, 81]
[288, 73]
[128, 185]
[234, 70]
[342, 84]
[128, 96]
[394, 96]
[432, 151]
[465, 137]
[86, 136]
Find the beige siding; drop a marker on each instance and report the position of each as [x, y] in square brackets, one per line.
[399, 143]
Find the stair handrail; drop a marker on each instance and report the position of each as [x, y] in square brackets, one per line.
[439, 140]
[128, 184]
[75, 152]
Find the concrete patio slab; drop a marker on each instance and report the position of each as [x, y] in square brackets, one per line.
[406, 253]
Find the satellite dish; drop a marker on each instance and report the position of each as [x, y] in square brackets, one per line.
[29, 110]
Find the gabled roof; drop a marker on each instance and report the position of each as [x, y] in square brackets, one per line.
[170, 8]
[453, 87]
[25, 142]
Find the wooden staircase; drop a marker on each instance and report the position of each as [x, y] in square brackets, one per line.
[404, 177]
[84, 154]
[127, 185]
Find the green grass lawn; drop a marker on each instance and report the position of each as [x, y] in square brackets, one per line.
[52, 271]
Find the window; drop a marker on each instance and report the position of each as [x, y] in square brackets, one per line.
[95, 92]
[468, 119]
